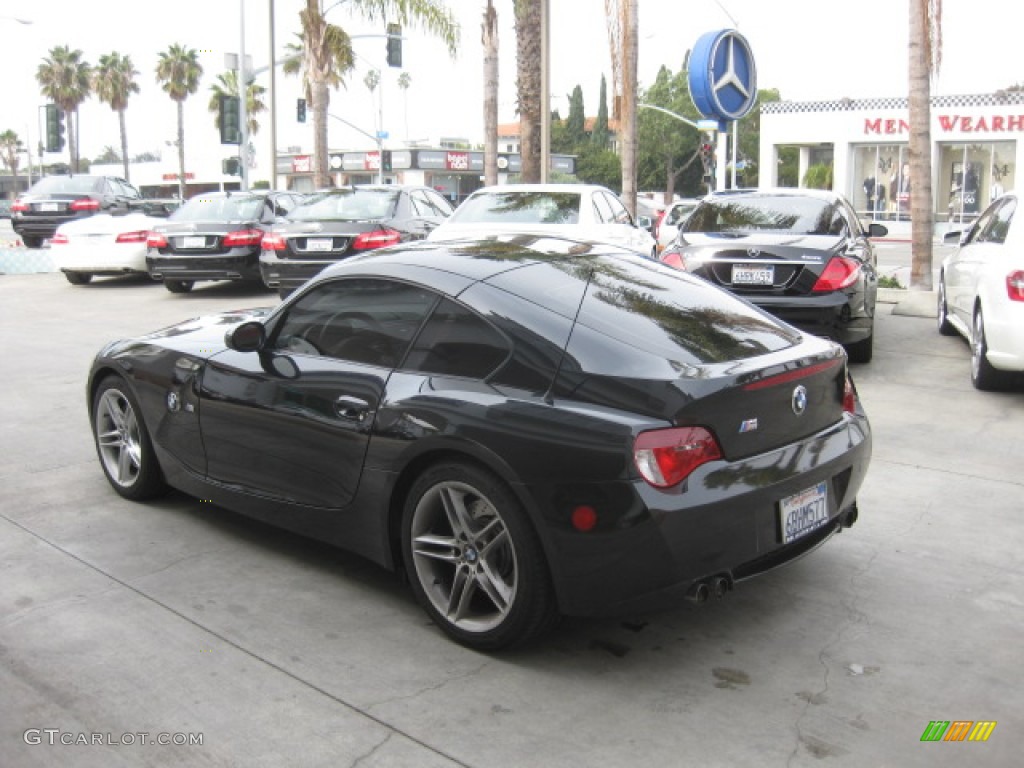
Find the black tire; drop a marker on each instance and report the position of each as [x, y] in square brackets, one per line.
[483, 578]
[78, 278]
[945, 328]
[122, 442]
[33, 241]
[983, 375]
[179, 286]
[861, 351]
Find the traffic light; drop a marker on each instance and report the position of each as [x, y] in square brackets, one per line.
[300, 110]
[231, 166]
[385, 159]
[230, 130]
[394, 45]
[54, 128]
[707, 155]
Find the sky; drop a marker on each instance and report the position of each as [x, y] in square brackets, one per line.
[807, 49]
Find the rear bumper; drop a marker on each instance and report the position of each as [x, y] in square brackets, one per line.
[724, 522]
[289, 274]
[1004, 336]
[229, 266]
[842, 317]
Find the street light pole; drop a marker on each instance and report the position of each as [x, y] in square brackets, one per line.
[242, 78]
[273, 105]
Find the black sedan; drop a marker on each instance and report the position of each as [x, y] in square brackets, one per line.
[529, 426]
[803, 255]
[215, 236]
[340, 223]
[55, 200]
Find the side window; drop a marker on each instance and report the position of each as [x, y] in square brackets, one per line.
[129, 191]
[979, 232]
[457, 342]
[420, 206]
[1000, 222]
[362, 320]
[619, 212]
[603, 214]
[443, 207]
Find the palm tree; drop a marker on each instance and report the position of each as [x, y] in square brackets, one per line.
[325, 55]
[404, 81]
[178, 70]
[227, 85]
[10, 148]
[925, 49]
[623, 25]
[64, 79]
[113, 80]
[490, 41]
[527, 25]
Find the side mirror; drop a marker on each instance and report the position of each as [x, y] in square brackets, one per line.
[953, 238]
[644, 222]
[247, 337]
[878, 230]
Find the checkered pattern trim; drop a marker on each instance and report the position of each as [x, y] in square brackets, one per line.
[997, 99]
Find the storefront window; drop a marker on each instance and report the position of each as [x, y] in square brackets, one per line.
[970, 176]
[881, 182]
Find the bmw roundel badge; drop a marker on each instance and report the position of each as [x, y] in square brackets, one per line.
[799, 401]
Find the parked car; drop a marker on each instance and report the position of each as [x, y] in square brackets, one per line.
[801, 254]
[530, 426]
[102, 245]
[55, 200]
[981, 292]
[675, 215]
[567, 210]
[215, 236]
[340, 223]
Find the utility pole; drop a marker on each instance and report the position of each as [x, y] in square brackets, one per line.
[243, 97]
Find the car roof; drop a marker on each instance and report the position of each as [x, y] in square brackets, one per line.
[819, 194]
[575, 188]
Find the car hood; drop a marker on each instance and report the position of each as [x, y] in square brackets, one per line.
[200, 337]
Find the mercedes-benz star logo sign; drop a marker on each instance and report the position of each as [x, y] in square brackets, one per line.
[723, 78]
[799, 401]
[730, 77]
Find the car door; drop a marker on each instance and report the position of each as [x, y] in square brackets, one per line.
[961, 273]
[302, 435]
[622, 229]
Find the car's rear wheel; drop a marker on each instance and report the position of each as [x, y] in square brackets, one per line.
[983, 375]
[78, 278]
[861, 351]
[945, 328]
[179, 286]
[475, 562]
[32, 241]
[122, 442]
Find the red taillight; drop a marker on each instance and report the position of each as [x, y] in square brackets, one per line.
[243, 237]
[19, 206]
[666, 457]
[156, 240]
[377, 239]
[839, 273]
[1015, 285]
[59, 239]
[86, 204]
[673, 259]
[849, 396]
[584, 518]
[133, 237]
[274, 243]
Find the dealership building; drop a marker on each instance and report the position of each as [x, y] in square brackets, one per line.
[977, 146]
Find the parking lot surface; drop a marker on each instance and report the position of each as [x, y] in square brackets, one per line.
[123, 624]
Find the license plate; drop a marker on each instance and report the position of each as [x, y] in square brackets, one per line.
[319, 244]
[749, 274]
[49, 207]
[803, 512]
[193, 242]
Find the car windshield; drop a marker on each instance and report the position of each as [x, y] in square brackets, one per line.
[220, 208]
[521, 207]
[72, 185]
[763, 213]
[347, 205]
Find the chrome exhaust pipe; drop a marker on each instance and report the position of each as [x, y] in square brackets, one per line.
[698, 593]
[719, 586]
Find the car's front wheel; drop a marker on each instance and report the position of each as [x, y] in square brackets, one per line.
[78, 278]
[122, 442]
[474, 560]
[983, 375]
[945, 328]
[179, 286]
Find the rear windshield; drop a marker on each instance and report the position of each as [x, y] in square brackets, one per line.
[677, 317]
[763, 213]
[520, 208]
[347, 205]
[69, 185]
[220, 208]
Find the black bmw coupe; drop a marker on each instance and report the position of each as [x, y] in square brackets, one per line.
[529, 426]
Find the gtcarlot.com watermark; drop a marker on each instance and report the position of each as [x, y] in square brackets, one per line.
[54, 736]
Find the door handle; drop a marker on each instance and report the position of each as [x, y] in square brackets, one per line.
[351, 408]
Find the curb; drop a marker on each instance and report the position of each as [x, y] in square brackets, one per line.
[910, 303]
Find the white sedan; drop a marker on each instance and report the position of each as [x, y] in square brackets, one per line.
[981, 292]
[102, 245]
[674, 218]
[580, 211]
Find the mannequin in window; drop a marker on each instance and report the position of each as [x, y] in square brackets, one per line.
[972, 201]
[903, 181]
[869, 193]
